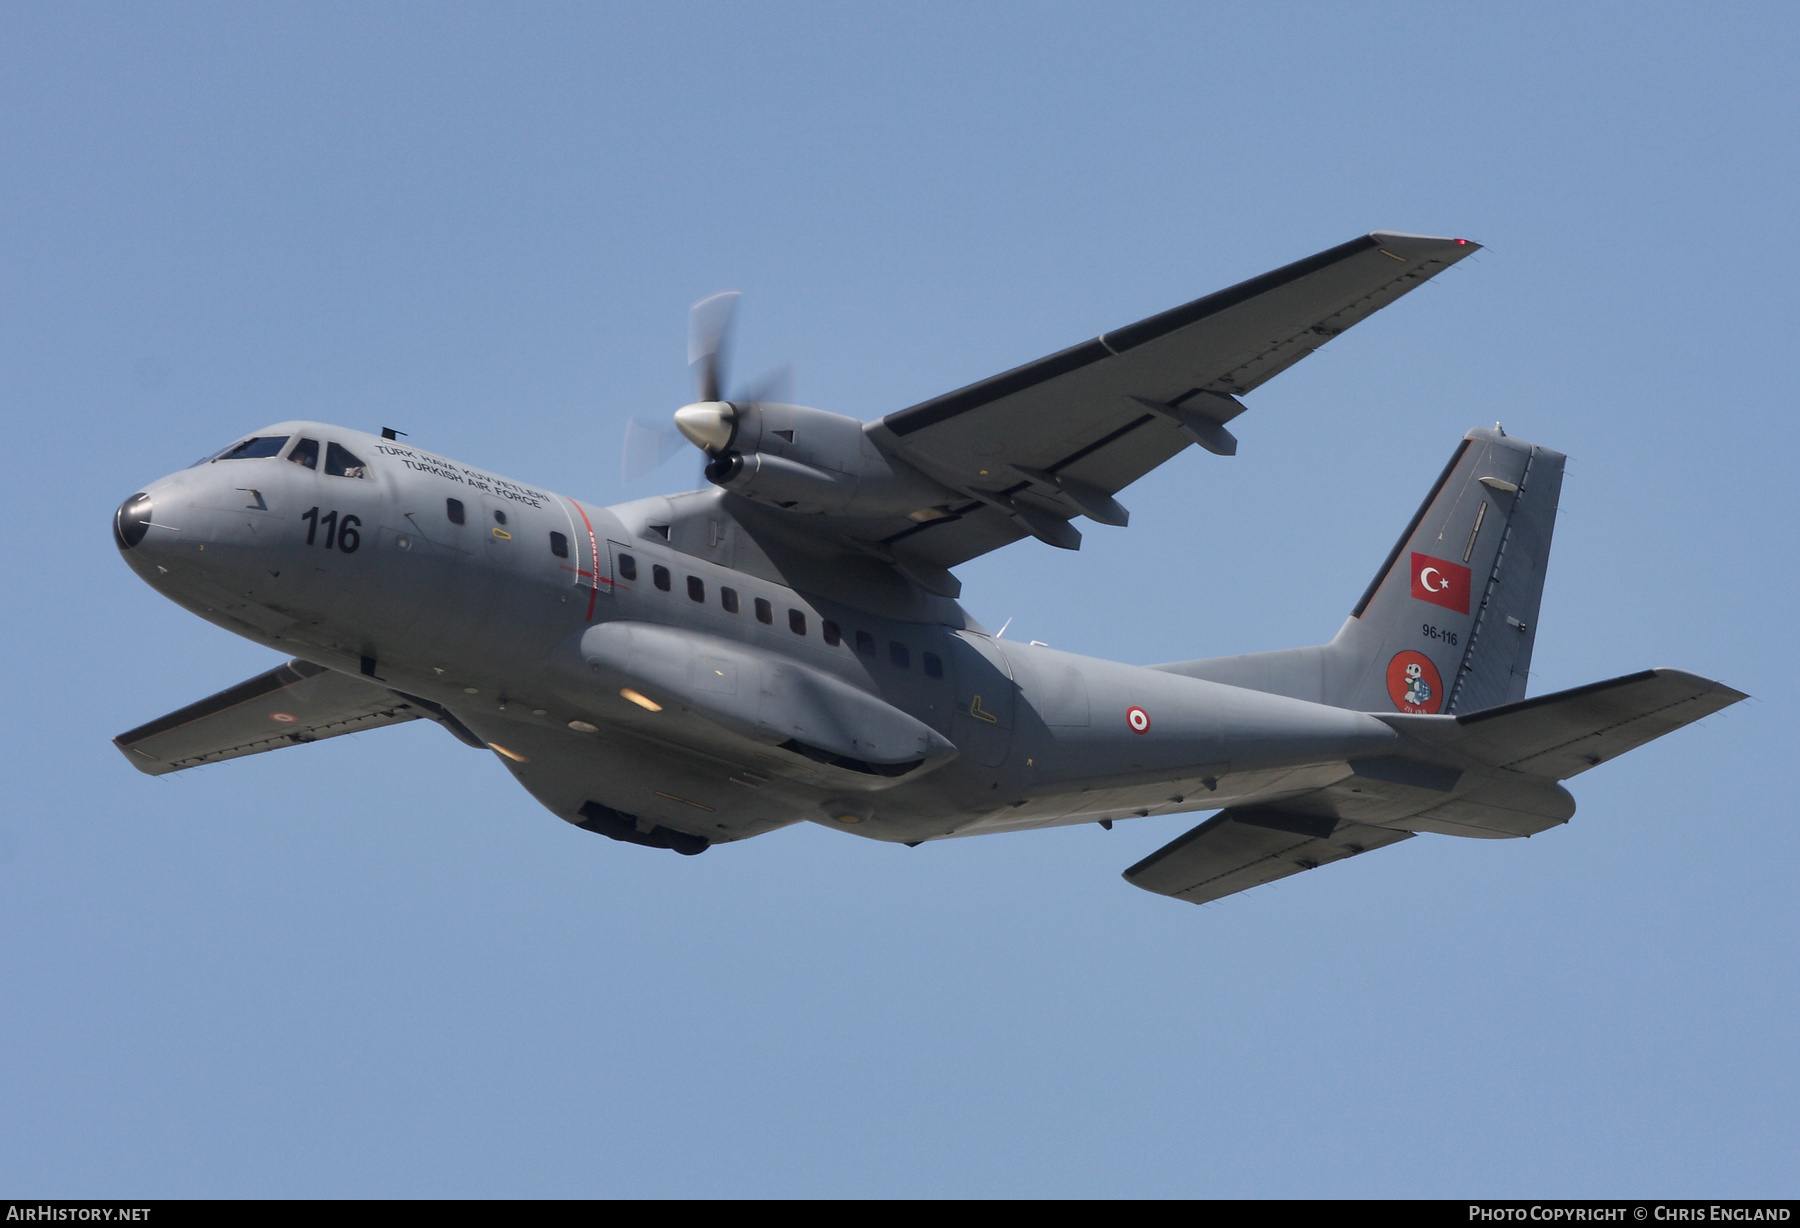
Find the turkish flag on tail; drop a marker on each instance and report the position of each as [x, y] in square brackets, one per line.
[1440, 583]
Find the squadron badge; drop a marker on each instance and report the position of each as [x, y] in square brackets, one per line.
[1413, 683]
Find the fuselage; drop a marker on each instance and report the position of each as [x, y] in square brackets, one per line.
[711, 674]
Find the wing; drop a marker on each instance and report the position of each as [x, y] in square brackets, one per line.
[291, 704]
[1058, 437]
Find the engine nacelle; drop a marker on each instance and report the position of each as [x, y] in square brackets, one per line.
[811, 461]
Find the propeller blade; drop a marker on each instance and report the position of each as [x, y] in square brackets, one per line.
[773, 387]
[646, 448]
[709, 337]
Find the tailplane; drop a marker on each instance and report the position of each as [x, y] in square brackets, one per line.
[1439, 649]
[1505, 762]
[1448, 623]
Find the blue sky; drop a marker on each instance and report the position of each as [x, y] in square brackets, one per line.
[374, 966]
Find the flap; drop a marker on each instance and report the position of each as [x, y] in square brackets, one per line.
[291, 704]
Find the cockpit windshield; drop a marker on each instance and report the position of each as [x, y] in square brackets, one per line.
[252, 449]
[339, 463]
[306, 453]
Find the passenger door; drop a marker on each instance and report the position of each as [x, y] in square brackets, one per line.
[583, 565]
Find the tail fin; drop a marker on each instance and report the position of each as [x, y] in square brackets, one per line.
[1449, 621]
[1461, 587]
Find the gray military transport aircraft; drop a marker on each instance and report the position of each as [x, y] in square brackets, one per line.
[786, 644]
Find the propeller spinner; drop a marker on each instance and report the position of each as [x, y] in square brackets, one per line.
[707, 424]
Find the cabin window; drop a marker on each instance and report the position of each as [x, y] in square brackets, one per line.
[934, 667]
[628, 567]
[797, 622]
[833, 634]
[696, 588]
[559, 545]
[728, 598]
[898, 655]
[341, 463]
[765, 613]
[865, 643]
[306, 453]
[499, 517]
[659, 576]
[453, 508]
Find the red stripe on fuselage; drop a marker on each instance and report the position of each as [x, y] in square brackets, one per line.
[594, 550]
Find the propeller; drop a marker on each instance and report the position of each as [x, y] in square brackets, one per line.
[709, 342]
[708, 420]
[647, 447]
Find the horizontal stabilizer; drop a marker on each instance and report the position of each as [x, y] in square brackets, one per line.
[291, 704]
[1248, 846]
[1565, 733]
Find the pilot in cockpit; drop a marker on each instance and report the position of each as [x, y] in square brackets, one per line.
[306, 453]
[340, 462]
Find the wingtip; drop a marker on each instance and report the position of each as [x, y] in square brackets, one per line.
[1423, 243]
[1704, 684]
[140, 760]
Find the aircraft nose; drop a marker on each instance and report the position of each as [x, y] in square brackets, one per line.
[132, 521]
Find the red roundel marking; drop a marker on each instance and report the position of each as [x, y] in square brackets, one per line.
[1413, 683]
[283, 717]
[1138, 719]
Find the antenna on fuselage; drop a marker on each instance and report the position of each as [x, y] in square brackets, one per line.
[388, 432]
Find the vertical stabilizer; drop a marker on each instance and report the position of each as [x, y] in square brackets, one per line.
[1449, 621]
[1461, 587]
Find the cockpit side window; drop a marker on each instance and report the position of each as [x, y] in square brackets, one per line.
[306, 453]
[255, 449]
[339, 463]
